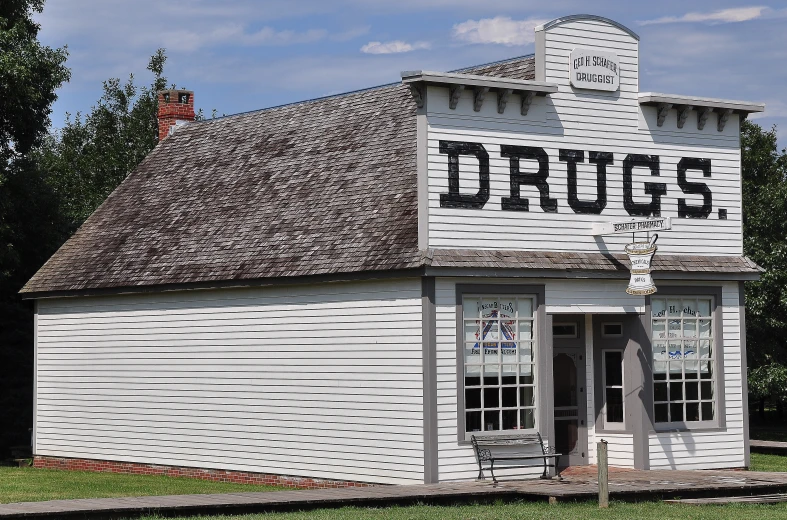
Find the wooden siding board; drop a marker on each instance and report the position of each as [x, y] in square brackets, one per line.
[585, 120]
[221, 393]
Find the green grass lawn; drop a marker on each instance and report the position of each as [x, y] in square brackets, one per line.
[29, 484]
[528, 510]
[765, 462]
[33, 485]
[539, 510]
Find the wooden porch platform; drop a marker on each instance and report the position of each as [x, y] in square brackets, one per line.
[577, 485]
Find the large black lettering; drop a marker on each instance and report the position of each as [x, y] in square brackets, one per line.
[694, 188]
[454, 199]
[654, 189]
[537, 179]
[601, 159]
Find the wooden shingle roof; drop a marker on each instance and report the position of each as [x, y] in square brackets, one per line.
[322, 187]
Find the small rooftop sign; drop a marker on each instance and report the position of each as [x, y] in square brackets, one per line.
[594, 70]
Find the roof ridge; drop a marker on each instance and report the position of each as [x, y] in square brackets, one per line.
[301, 102]
[506, 60]
[356, 91]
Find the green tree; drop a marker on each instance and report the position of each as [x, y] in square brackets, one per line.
[30, 225]
[765, 241]
[30, 73]
[32, 230]
[91, 155]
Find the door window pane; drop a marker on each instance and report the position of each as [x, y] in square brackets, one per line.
[612, 376]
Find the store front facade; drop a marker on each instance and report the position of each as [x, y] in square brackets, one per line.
[571, 172]
[528, 246]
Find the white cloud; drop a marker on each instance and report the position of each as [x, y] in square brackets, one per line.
[392, 47]
[229, 33]
[737, 14]
[500, 30]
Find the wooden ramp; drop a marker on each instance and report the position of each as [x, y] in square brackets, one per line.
[773, 447]
[754, 499]
[581, 485]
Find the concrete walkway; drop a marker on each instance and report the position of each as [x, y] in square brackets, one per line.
[580, 485]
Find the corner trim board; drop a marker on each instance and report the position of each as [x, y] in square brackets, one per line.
[34, 447]
[744, 373]
[429, 353]
[421, 164]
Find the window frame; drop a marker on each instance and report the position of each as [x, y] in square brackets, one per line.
[717, 315]
[610, 426]
[604, 335]
[540, 364]
[573, 324]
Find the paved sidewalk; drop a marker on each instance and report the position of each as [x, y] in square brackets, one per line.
[579, 485]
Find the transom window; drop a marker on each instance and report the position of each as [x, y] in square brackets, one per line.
[499, 367]
[683, 359]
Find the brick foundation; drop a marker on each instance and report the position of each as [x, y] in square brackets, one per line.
[215, 475]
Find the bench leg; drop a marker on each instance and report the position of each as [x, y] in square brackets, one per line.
[480, 473]
[544, 475]
[557, 467]
[492, 471]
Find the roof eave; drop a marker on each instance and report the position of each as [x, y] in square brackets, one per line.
[470, 80]
[737, 106]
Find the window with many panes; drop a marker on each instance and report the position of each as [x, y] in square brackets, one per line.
[499, 364]
[684, 354]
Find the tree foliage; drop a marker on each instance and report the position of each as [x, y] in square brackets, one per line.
[31, 228]
[91, 155]
[30, 73]
[765, 241]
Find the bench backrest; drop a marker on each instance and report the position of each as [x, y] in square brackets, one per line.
[531, 443]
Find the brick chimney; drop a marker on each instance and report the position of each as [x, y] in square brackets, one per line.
[175, 107]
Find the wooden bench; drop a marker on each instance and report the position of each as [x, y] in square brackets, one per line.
[512, 448]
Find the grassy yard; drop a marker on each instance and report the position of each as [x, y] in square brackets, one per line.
[765, 462]
[28, 484]
[528, 510]
[33, 484]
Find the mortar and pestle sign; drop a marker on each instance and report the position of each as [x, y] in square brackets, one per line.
[640, 255]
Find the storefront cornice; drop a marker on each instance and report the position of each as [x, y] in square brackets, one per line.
[448, 272]
[703, 106]
[481, 85]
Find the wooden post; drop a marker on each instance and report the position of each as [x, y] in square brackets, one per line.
[603, 475]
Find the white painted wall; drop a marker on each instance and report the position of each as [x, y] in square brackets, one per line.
[588, 121]
[591, 296]
[455, 461]
[713, 449]
[320, 381]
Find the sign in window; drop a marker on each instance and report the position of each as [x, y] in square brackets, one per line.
[499, 364]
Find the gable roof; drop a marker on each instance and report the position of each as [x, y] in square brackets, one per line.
[321, 187]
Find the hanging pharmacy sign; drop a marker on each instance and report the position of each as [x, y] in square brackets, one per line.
[594, 70]
[632, 226]
[641, 254]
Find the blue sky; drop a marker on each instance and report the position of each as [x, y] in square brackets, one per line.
[240, 55]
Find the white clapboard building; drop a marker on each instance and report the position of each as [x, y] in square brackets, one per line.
[349, 288]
